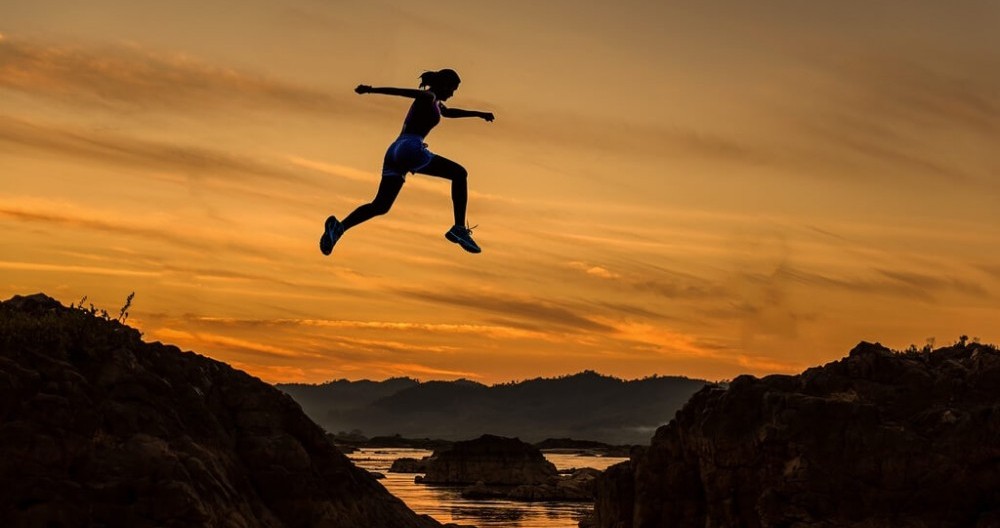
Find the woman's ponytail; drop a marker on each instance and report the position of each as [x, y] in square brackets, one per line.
[443, 77]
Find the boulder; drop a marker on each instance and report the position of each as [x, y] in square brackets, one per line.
[489, 459]
[409, 465]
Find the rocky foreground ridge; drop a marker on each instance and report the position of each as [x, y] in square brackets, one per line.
[877, 439]
[98, 428]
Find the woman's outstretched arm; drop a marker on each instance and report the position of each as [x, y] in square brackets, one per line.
[458, 112]
[402, 92]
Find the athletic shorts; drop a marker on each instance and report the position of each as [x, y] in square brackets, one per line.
[407, 154]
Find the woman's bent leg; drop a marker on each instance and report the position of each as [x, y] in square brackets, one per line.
[443, 167]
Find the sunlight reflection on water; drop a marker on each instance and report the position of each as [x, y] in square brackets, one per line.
[446, 505]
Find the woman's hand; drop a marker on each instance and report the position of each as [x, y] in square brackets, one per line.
[363, 89]
[487, 116]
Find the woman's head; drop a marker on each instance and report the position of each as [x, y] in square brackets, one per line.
[442, 82]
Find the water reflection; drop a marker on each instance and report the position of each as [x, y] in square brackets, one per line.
[507, 515]
[445, 503]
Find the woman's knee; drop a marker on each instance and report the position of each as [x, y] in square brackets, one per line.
[380, 208]
[459, 173]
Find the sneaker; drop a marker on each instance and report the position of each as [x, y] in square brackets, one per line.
[463, 236]
[331, 234]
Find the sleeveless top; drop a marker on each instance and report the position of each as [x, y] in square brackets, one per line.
[423, 116]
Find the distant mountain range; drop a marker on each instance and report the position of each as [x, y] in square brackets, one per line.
[585, 406]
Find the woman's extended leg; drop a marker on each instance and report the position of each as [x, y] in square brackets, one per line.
[388, 190]
[443, 167]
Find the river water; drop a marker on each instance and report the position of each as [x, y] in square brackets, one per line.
[444, 503]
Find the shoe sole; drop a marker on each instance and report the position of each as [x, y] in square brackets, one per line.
[326, 243]
[464, 244]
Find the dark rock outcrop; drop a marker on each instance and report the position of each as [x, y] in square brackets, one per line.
[587, 447]
[491, 460]
[876, 439]
[409, 465]
[98, 428]
[577, 485]
[614, 496]
[502, 468]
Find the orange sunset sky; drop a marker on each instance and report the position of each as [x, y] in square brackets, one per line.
[694, 188]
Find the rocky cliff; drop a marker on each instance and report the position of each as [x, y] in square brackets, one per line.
[876, 439]
[98, 428]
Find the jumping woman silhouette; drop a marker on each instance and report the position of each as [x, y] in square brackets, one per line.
[409, 154]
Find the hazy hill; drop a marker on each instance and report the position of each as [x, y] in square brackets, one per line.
[586, 406]
[341, 395]
[98, 428]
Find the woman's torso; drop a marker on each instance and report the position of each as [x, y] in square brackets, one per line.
[424, 115]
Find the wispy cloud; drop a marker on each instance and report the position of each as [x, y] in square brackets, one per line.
[131, 76]
[417, 370]
[302, 349]
[151, 156]
[632, 309]
[204, 341]
[635, 140]
[110, 260]
[277, 373]
[908, 284]
[942, 91]
[533, 310]
[380, 347]
[928, 282]
[492, 331]
[768, 364]
[866, 142]
[906, 117]
[991, 269]
[74, 268]
[879, 118]
[157, 229]
[667, 342]
[331, 169]
[594, 271]
[680, 289]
